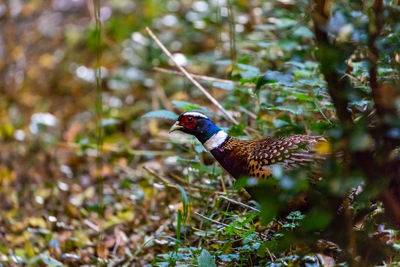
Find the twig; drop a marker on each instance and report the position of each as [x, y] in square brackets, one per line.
[91, 225]
[212, 79]
[270, 255]
[172, 185]
[197, 76]
[321, 111]
[223, 183]
[206, 78]
[117, 234]
[217, 222]
[211, 220]
[251, 114]
[162, 179]
[163, 97]
[224, 224]
[190, 77]
[239, 203]
[183, 181]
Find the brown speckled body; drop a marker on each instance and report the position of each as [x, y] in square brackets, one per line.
[256, 157]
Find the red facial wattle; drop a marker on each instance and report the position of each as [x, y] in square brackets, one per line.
[189, 122]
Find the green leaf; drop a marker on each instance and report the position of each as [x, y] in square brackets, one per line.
[244, 59]
[295, 215]
[226, 86]
[178, 230]
[200, 148]
[161, 114]
[225, 62]
[262, 250]
[303, 97]
[294, 110]
[211, 170]
[266, 27]
[360, 140]
[186, 106]
[185, 203]
[261, 81]
[285, 23]
[316, 220]
[280, 123]
[108, 122]
[229, 257]
[303, 32]
[248, 72]
[206, 260]
[49, 261]
[288, 45]
[237, 130]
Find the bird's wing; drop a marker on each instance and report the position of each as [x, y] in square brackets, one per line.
[289, 152]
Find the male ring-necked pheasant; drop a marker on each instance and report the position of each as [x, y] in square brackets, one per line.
[253, 158]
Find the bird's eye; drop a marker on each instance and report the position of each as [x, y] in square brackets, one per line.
[190, 119]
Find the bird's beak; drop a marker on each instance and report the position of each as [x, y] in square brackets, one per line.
[175, 127]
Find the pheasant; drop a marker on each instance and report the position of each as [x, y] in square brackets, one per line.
[251, 158]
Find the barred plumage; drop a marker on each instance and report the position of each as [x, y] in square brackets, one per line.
[253, 158]
[256, 157]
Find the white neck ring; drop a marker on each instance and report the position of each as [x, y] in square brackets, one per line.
[216, 140]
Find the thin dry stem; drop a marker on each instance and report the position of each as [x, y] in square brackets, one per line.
[211, 220]
[91, 225]
[217, 222]
[160, 178]
[204, 78]
[224, 224]
[239, 203]
[168, 183]
[197, 76]
[183, 181]
[190, 77]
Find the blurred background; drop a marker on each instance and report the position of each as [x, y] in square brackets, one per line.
[82, 172]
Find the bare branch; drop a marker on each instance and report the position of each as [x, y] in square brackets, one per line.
[160, 178]
[197, 76]
[217, 222]
[190, 77]
[214, 221]
[239, 203]
[226, 225]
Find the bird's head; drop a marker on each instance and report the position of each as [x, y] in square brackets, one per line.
[197, 124]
